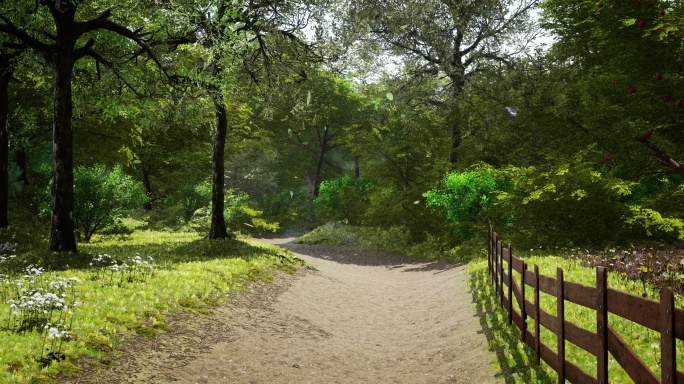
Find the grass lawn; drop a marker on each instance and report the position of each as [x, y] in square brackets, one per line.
[516, 360]
[114, 286]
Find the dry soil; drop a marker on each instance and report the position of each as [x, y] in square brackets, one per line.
[355, 317]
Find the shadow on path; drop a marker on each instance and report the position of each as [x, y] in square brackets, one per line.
[362, 256]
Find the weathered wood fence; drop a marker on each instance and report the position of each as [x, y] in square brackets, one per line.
[661, 317]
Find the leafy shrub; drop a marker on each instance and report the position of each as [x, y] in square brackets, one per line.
[293, 209]
[100, 195]
[570, 204]
[193, 197]
[464, 196]
[396, 239]
[345, 198]
[239, 216]
[653, 224]
[124, 226]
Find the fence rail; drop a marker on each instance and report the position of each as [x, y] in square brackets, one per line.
[661, 317]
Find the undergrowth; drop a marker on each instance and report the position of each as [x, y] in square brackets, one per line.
[393, 240]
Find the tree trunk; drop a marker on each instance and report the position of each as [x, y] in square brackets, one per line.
[20, 157]
[62, 237]
[218, 224]
[357, 167]
[5, 74]
[454, 118]
[148, 187]
[454, 122]
[319, 164]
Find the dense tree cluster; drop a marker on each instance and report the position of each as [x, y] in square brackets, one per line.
[435, 116]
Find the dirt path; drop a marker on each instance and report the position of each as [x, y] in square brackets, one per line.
[360, 317]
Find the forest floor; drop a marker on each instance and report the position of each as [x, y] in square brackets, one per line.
[356, 317]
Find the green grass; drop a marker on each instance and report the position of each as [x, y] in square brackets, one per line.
[516, 360]
[395, 239]
[191, 274]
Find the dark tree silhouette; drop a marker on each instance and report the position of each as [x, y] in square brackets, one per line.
[61, 51]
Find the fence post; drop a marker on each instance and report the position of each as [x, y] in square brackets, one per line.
[499, 281]
[496, 263]
[510, 283]
[668, 360]
[489, 248]
[523, 313]
[602, 324]
[537, 334]
[560, 309]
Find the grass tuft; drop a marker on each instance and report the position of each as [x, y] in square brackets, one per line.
[184, 272]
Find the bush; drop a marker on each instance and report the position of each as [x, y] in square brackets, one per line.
[464, 196]
[396, 239]
[239, 216]
[293, 209]
[100, 195]
[345, 198]
[191, 198]
[124, 226]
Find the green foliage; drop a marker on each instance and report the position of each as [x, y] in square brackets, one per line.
[653, 224]
[564, 205]
[464, 196]
[100, 195]
[124, 226]
[238, 215]
[192, 197]
[396, 239]
[345, 198]
[294, 209]
[581, 203]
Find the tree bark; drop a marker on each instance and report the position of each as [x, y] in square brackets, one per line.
[218, 224]
[662, 156]
[148, 187]
[5, 74]
[319, 163]
[62, 237]
[20, 157]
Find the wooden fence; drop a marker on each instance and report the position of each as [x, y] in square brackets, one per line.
[661, 317]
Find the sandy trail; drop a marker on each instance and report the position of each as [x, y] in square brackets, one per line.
[360, 317]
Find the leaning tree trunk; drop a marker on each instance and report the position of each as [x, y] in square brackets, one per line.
[319, 168]
[62, 237]
[454, 117]
[218, 223]
[5, 74]
[148, 187]
[20, 157]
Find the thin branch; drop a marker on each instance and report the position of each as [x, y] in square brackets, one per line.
[9, 28]
[661, 155]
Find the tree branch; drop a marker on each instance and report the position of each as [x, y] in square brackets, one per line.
[661, 155]
[9, 28]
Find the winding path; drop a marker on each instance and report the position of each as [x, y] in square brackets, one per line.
[359, 317]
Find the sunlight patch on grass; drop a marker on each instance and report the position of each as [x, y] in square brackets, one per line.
[505, 339]
[187, 269]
